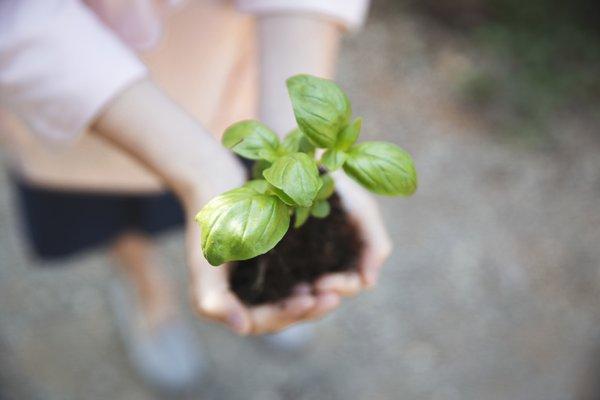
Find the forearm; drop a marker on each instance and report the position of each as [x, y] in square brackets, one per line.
[145, 123]
[291, 44]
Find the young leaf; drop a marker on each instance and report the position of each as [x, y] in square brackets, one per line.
[251, 139]
[258, 185]
[296, 141]
[258, 167]
[297, 176]
[320, 209]
[282, 196]
[301, 215]
[240, 224]
[327, 189]
[382, 167]
[321, 108]
[333, 159]
[348, 135]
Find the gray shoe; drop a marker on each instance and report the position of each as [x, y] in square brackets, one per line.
[167, 357]
[293, 339]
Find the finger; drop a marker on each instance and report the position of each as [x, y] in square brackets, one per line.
[364, 211]
[374, 256]
[377, 246]
[211, 296]
[274, 317]
[344, 284]
[325, 303]
[224, 307]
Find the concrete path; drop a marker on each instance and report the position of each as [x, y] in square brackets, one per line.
[492, 292]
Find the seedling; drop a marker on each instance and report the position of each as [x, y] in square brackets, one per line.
[292, 178]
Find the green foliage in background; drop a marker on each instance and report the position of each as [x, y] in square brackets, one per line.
[540, 57]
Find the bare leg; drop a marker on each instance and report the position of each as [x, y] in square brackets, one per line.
[137, 261]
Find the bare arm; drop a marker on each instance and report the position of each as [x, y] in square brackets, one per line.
[302, 43]
[150, 127]
[291, 44]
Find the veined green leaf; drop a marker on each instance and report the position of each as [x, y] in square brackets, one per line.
[321, 108]
[251, 139]
[241, 223]
[282, 196]
[258, 185]
[333, 159]
[297, 176]
[382, 167]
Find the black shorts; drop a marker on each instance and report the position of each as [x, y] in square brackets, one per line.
[60, 223]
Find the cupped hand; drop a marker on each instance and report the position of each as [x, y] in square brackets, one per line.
[364, 211]
[213, 299]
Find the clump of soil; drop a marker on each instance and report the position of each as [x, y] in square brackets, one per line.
[320, 246]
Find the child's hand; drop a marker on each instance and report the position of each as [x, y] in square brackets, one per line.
[377, 245]
[213, 299]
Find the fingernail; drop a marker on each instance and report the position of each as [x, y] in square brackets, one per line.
[237, 323]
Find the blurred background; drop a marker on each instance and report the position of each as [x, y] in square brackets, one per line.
[493, 291]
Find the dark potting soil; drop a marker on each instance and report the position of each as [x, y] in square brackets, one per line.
[320, 246]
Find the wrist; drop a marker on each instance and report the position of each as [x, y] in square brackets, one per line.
[198, 185]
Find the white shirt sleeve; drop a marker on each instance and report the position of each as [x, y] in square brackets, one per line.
[350, 13]
[59, 65]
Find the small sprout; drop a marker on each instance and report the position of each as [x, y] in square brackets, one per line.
[249, 221]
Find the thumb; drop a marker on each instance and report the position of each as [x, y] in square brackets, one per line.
[224, 307]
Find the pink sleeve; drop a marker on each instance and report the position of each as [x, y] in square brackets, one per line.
[59, 65]
[351, 13]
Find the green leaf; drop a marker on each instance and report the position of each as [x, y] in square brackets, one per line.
[258, 167]
[348, 135]
[296, 141]
[327, 188]
[321, 108]
[297, 176]
[301, 215]
[282, 196]
[383, 168]
[258, 185]
[240, 224]
[320, 209]
[333, 159]
[251, 139]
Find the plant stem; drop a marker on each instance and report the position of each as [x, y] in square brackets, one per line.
[260, 279]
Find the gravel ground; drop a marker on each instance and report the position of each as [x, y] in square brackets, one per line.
[492, 291]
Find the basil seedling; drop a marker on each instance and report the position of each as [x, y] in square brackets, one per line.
[249, 221]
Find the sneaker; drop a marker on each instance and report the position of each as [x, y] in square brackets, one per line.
[167, 356]
[293, 339]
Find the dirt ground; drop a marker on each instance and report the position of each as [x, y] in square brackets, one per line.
[492, 291]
